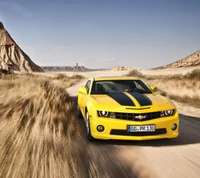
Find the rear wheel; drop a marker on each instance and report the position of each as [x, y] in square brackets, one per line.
[88, 131]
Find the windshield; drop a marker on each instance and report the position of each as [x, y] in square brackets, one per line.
[107, 86]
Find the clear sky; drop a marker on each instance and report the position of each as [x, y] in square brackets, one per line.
[104, 33]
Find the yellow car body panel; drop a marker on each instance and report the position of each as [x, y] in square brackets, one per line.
[115, 124]
[117, 128]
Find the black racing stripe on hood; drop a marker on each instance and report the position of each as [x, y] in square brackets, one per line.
[142, 99]
[121, 98]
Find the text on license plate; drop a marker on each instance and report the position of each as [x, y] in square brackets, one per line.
[143, 128]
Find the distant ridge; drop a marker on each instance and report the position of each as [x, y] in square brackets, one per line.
[189, 61]
[11, 53]
[67, 68]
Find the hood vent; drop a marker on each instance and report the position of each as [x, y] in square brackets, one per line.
[138, 108]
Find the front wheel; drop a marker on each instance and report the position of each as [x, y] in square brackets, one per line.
[88, 131]
[80, 116]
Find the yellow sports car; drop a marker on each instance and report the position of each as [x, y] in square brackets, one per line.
[124, 108]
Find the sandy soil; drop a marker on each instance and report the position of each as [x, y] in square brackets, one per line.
[177, 158]
[183, 70]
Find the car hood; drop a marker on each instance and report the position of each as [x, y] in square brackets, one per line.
[132, 99]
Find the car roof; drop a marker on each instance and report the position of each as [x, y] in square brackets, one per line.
[114, 78]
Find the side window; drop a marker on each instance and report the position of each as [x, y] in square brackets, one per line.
[87, 85]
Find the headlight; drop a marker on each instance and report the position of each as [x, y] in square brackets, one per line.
[103, 113]
[106, 114]
[169, 112]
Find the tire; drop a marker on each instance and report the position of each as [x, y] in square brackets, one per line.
[80, 116]
[87, 124]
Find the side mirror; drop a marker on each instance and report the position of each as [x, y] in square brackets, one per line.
[154, 88]
[83, 90]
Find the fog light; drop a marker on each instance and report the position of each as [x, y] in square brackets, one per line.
[174, 126]
[100, 128]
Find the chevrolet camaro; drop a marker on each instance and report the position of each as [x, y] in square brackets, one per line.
[125, 108]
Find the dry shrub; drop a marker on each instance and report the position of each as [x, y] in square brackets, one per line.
[194, 101]
[165, 77]
[61, 77]
[185, 90]
[195, 74]
[38, 132]
[77, 77]
[29, 74]
[66, 81]
[8, 77]
[135, 73]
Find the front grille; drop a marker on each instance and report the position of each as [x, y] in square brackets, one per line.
[131, 116]
[125, 133]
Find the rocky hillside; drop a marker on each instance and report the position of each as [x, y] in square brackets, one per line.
[190, 61]
[11, 53]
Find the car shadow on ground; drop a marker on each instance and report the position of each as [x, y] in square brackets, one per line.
[188, 134]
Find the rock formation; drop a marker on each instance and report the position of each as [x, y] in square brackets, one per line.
[190, 61]
[12, 54]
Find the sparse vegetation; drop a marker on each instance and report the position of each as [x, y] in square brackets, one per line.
[195, 74]
[38, 130]
[62, 80]
[135, 73]
[61, 76]
[77, 77]
[183, 88]
[40, 136]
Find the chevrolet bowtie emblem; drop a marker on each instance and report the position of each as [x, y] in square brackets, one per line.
[140, 117]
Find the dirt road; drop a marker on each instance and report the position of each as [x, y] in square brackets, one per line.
[178, 158]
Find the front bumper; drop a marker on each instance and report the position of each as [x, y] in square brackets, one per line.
[117, 129]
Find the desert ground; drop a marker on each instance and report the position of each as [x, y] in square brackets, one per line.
[46, 147]
[169, 71]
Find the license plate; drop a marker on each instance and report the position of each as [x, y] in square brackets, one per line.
[143, 128]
